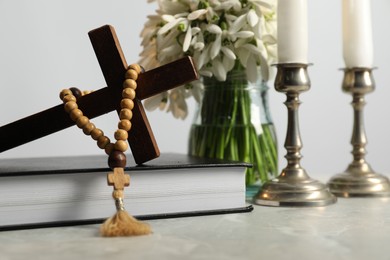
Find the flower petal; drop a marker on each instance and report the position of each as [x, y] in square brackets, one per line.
[214, 29]
[155, 102]
[244, 34]
[238, 24]
[215, 47]
[219, 70]
[170, 25]
[228, 52]
[187, 39]
[252, 18]
[196, 14]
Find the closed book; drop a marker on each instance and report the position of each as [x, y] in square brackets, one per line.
[55, 191]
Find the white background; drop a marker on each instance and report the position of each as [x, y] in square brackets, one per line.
[44, 47]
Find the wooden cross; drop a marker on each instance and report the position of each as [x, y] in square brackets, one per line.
[118, 179]
[102, 101]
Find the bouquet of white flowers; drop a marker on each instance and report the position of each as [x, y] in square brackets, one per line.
[217, 34]
[232, 42]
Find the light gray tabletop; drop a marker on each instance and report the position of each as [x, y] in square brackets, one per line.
[349, 229]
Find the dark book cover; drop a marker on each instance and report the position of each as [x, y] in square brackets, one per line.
[164, 169]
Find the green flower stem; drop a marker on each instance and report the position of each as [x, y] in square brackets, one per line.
[225, 128]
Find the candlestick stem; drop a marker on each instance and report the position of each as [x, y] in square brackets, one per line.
[293, 142]
[359, 179]
[293, 187]
[359, 140]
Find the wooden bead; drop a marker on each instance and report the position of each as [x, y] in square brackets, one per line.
[135, 67]
[127, 103]
[124, 124]
[121, 134]
[121, 145]
[117, 159]
[75, 114]
[103, 141]
[118, 194]
[76, 92]
[96, 133]
[69, 98]
[109, 148]
[131, 74]
[129, 83]
[70, 105]
[64, 93]
[87, 129]
[128, 93]
[82, 121]
[125, 114]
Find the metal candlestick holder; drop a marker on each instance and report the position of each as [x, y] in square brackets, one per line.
[293, 187]
[359, 180]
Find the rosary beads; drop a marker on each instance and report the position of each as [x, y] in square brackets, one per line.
[116, 150]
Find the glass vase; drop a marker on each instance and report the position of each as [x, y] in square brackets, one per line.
[233, 122]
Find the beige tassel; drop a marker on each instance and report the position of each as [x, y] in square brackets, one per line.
[122, 224]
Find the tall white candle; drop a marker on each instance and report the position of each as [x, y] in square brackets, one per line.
[292, 31]
[357, 34]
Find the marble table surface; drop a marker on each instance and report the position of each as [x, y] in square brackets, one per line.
[350, 229]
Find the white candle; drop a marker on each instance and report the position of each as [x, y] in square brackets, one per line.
[357, 34]
[292, 31]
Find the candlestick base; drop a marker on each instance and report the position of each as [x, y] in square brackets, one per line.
[369, 184]
[293, 190]
[359, 180]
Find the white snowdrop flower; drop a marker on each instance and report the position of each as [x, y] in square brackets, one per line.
[252, 18]
[197, 90]
[238, 24]
[195, 30]
[230, 18]
[170, 25]
[215, 29]
[198, 46]
[218, 70]
[228, 63]
[187, 39]
[228, 52]
[252, 48]
[155, 102]
[177, 104]
[215, 47]
[203, 57]
[206, 73]
[185, 14]
[243, 55]
[229, 4]
[269, 4]
[244, 34]
[196, 14]
[239, 43]
[168, 18]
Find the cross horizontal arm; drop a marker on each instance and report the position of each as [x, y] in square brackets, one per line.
[52, 120]
[176, 73]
